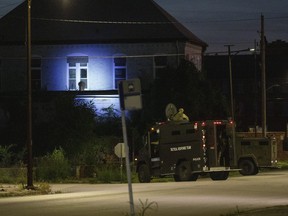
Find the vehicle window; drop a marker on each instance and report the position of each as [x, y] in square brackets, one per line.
[245, 143]
[173, 133]
[263, 143]
[190, 131]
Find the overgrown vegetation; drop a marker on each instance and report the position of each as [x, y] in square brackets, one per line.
[53, 167]
[146, 208]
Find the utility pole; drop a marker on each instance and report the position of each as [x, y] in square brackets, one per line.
[231, 82]
[29, 102]
[256, 88]
[263, 79]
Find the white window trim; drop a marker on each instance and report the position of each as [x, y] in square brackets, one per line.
[78, 68]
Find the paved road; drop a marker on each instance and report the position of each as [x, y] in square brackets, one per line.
[203, 197]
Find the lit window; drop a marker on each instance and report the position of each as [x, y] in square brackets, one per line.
[120, 70]
[36, 76]
[160, 64]
[77, 73]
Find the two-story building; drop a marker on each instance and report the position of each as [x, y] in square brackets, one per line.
[90, 45]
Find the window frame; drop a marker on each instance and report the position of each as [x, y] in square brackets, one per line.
[36, 73]
[77, 64]
[120, 65]
[159, 65]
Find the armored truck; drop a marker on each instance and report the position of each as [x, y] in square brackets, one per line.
[178, 149]
[185, 150]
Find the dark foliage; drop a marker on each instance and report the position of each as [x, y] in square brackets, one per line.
[186, 87]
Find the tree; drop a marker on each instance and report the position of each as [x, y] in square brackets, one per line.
[71, 124]
[186, 87]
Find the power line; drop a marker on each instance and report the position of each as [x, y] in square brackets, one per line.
[105, 22]
[236, 20]
[151, 22]
[104, 57]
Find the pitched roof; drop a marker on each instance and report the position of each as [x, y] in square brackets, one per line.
[93, 21]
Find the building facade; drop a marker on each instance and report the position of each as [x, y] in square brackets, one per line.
[89, 46]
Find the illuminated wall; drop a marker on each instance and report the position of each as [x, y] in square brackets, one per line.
[54, 68]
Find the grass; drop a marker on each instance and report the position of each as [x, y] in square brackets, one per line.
[283, 164]
[20, 190]
[145, 208]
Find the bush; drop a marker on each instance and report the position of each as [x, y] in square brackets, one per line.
[111, 173]
[53, 166]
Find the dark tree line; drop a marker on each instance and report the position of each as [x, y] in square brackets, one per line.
[186, 87]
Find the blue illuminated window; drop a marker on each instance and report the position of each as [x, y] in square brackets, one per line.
[36, 76]
[77, 72]
[120, 70]
[160, 64]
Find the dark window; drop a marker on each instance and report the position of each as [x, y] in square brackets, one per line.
[160, 65]
[36, 76]
[190, 131]
[175, 133]
[120, 70]
[120, 62]
[263, 143]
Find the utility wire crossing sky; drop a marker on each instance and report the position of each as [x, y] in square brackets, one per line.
[219, 22]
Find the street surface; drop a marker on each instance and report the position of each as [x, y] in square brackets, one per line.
[203, 197]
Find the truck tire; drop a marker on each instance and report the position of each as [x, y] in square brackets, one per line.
[219, 176]
[183, 172]
[144, 174]
[247, 167]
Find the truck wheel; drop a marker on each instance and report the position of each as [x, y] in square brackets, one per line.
[144, 174]
[218, 176]
[247, 167]
[183, 172]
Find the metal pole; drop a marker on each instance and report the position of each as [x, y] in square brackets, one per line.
[263, 80]
[256, 90]
[128, 170]
[29, 103]
[231, 82]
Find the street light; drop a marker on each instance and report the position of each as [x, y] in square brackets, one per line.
[230, 76]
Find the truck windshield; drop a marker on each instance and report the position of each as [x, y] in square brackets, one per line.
[154, 137]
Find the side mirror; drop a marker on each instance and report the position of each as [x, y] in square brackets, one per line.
[285, 144]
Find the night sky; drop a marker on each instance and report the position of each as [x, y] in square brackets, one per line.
[221, 22]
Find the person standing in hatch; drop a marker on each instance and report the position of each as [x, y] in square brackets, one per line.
[180, 116]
